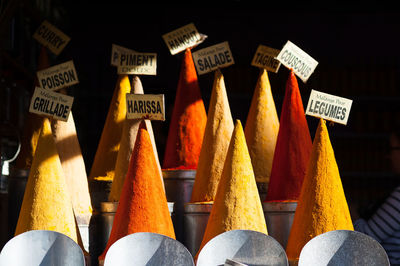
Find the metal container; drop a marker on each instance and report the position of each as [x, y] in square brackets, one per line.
[262, 190]
[178, 185]
[279, 218]
[99, 191]
[100, 228]
[195, 222]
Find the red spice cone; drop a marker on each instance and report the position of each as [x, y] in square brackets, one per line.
[188, 121]
[293, 147]
[143, 205]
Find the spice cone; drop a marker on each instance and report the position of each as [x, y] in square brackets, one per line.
[143, 205]
[33, 125]
[215, 145]
[261, 128]
[129, 133]
[107, 150]
[188, 120]
[237, 204]
[47, 203]
[73, 165]
[293, 147]
[322, 205]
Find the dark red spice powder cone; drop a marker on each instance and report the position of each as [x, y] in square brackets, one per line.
[293, 147]
[188, 120]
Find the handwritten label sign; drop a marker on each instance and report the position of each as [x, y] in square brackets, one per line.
[50, 103]
[265, 57]
[145, 106]
[51, 37]
[182, 38]
[293, 57]
[116, 50]
[57, 77]
[213, 57]
[138, 63]
[329, 107]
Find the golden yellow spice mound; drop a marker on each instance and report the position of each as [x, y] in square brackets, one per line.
[47, 203]
[73, 165]
[261, 130]
[322, 204]
[237, 204]
[128, 138]
[107, 150]
[215, 144]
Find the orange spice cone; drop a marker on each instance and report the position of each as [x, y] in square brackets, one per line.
[143, 205]
[237, 204]
[107, 150]
[33, 125]
[261, 128]
[322, 205]
[293, 147]
[188, 120]
[215, 145]
[129, 133]
[72, 162]
[47, 203]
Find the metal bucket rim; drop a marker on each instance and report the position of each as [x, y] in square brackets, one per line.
[197, 207]
[109, 206]
[289, 206]
[179, 173]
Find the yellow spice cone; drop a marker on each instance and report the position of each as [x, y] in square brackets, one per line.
[215, 144]
[322, 204]
[107, 150]
[261, 130]
[72, 162]
[47, 203]
[128, 138]
[237, 204]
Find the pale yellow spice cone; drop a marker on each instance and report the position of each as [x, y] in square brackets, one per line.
[261, 130]
[217, 135]
[107, 149]
[47, 204]
[129, 133]
[73, 165]
[322, 204]
[237, 204]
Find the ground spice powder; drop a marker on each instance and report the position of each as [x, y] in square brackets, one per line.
[293, 147]
[128, 138]
[237, 204]
[215, 144]
[143, 205]
[188, 120]
[107, 150]
[261, 130]
[322, 205]
[47, 203]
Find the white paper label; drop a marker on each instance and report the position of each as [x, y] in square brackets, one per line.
[329, 107]
[57, 77]
[265, 57]
[145, 106]
[293, 57]
[137, 63]
[116, 50]
[182, 38]
[212, 58]
[51, 37]
[50, 103]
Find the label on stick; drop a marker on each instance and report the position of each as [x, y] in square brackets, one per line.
[265, 57]
[50, 103]
[329, 107]
[51, 37]
[213, 57]
[137, 63]
[145, 106]
[57, 77]
[116, 50]
[182, 38]
[293, 57]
